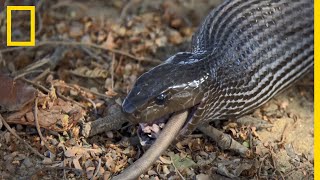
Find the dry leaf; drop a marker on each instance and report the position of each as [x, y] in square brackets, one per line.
[14, 95]
[76, 163]
[109, 43]
[60, 117]
[165, 160]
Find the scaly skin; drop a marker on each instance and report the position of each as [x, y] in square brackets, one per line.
[244, 53]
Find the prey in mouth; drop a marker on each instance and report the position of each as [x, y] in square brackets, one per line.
[171, 87]
[149, 132]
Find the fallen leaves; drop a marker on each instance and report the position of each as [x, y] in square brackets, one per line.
[90, 73]
[57, 115]
[181, 163]
[14, 95]
[80, 151]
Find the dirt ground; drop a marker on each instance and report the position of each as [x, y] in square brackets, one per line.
[88, 54]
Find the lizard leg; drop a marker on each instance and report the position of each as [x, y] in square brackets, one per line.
[223, 140]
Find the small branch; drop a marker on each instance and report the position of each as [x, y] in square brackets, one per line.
[261, 162]
[81, 89]
[176, 169]
[36, 121]
[69, 99]
[97, 170]
[36, 85]
[57, 43]
[125, 9]
[95, 111]
[22, 140]
[112, 70]
[224, 141]
[40, 23]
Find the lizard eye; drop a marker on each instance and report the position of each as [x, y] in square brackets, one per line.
[160, 100]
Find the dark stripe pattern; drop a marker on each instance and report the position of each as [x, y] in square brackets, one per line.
[253, 50]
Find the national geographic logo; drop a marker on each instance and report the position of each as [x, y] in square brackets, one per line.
[32, 10]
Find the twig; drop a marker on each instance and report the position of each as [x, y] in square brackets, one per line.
[56, 43]
[176, 169]
[26, 73]
[224, 141]
[295, 169]
[283, 135]
[94, 92]
[95, 111]
[64, 171]
[22, 140]
[69, 4]
[2, 59]
[97, 170]
[36, 85]
[35, 65]
[80, 88]
[13, 49]
[274, 163]
[125, 9]
[42, 75]
[259, 169]
[69, 99]
[92, 54]
[40, 23]
[36, 121]
[282, 177]
[112, 70]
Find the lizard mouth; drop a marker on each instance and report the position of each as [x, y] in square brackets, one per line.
[149, 132]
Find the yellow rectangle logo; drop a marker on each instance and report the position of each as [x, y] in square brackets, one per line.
[32, 25]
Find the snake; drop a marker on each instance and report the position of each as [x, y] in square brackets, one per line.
[243, 54]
